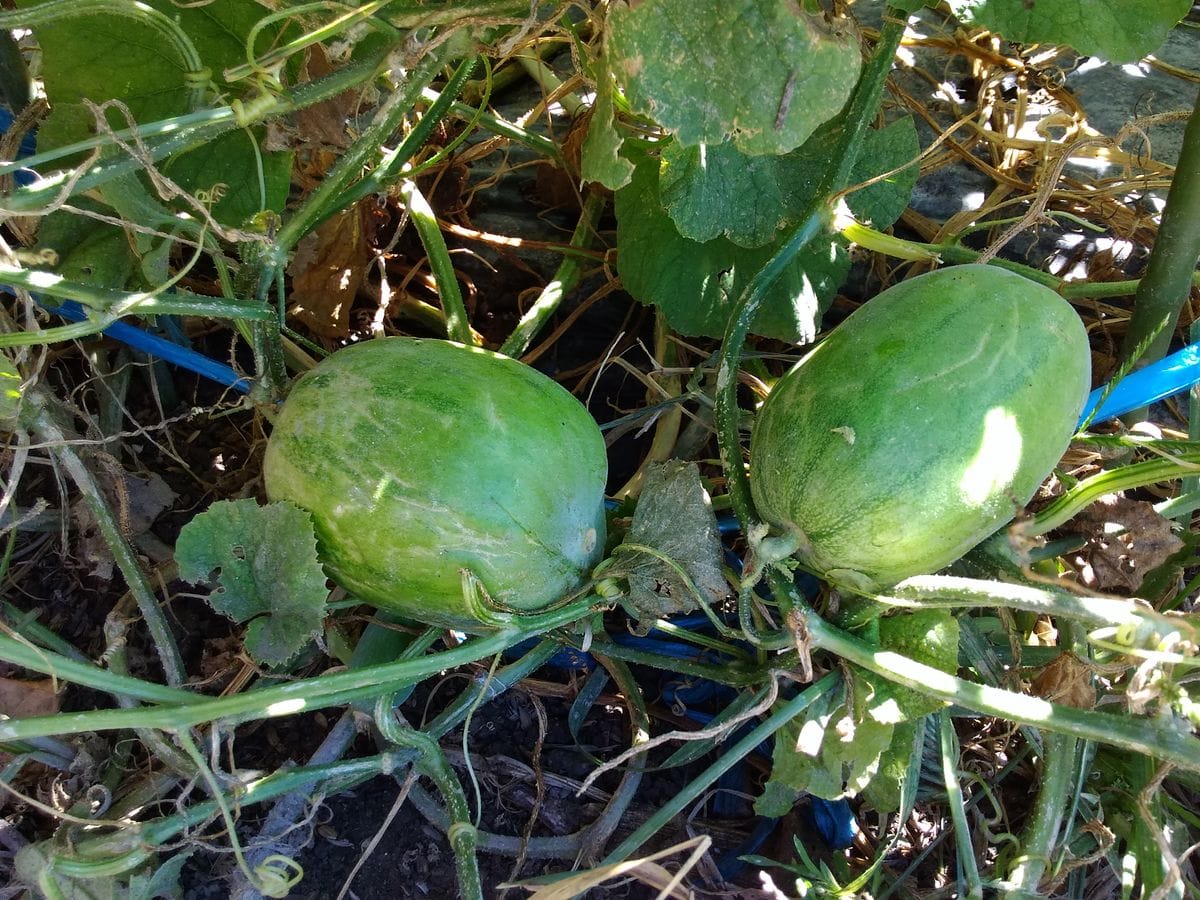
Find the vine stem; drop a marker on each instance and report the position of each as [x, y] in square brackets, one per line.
[47, 430]
[317, 205]
[299, 696]
[176, 135]
[704, 781]
[1168, 280]
[918, 251]
[1160, 739]
[1069, 504]
[862, 108]
[458, 325]
[432, 762]
[948, 741]
[933, 591]
[566, 277]
[1056, 779]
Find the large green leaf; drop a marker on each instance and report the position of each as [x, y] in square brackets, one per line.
[761, 73]
[696, 283]
[104, 57]
[1121, 32]
[263, 560]
[717, 191]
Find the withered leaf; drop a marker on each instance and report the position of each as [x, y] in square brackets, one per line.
[1126, 540]
[327, 270]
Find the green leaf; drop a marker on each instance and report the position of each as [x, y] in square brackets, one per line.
[717, 191]
[929, 636]
[884, 151]
[761, 73]
[600, 156]
[696, 283]
[103, 57]
[833, 752]
[264, 559]
[1118, 32]
[251, 179]
[675, 517]
[884, 791]
[102, 258]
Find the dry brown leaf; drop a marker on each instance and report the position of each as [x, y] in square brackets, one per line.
[1066, 680]
[327, 270]
[1126, 540]
[25, 699]
[324, 123]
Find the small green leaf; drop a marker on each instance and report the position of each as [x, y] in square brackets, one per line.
[761, 73]
[601, 159]
[1118, 32]
[696, 283]
[264, 560]
[674, 517]
[929, 636]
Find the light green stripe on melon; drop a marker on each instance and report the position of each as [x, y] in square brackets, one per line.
[922, 424]
[419, 458]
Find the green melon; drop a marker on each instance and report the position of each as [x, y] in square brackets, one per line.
[421, 458]
[920, 425]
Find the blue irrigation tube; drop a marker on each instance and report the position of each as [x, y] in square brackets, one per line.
[1168, 376]
[167, 351]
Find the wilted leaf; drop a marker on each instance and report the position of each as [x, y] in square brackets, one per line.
[1126, 540]
[264, 560]
[674, 516]
[137, 501]
[25, 699]
[1067, 680]
[761, 73]
[1119, 32]
[327, 270]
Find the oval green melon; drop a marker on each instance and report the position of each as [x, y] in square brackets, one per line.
[421, 458]
[920, 425]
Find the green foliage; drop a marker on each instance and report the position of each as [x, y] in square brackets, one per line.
[766, 95]
[690, 240]
[695, 284]
[246, 178]
[264, 560]
[864, 739]
[1119, 32]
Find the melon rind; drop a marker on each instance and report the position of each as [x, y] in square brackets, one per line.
[420, 458]
[920, 425]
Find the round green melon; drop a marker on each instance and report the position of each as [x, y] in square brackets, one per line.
[421, 458]
[920, 425]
